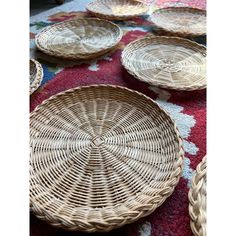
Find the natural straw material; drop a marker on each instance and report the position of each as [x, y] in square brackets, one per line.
[182, 21]
[168, 62]
[36, 75]
[79, 39]
[197, 200]
[117, 9]
[101, 157]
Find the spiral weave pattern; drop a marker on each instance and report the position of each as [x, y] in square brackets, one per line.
[36, 75]
[101, 157]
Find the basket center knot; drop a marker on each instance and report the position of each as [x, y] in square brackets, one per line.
[97, 141]
[169, 65]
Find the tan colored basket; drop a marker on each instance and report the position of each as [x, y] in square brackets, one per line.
[79, 39]
[168, 62]
[182, 21]
[197, 200]
[117, 9]
[36, 75]
[101, 157]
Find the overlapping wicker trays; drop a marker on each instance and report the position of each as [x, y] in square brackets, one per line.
[101, 157]
[79, 39]
[36, 75]
[197, 200]
[182, 21]
[117, 9]
[168, 62]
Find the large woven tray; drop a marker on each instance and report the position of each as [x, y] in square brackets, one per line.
[36, 75]
[197, 200]
[101, 157]
[79, 39]
[182, 21]
[117, 9]
[168, 62]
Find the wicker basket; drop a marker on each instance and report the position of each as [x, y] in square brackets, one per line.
[101, 157]
[181, 21]
[79, 39]
[36, 75]
[197, 200]
[117, 9]
[168, 62]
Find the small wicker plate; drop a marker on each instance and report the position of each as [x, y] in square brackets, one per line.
[117, 9]
[197, 200]
[168, 62]
[101, 157]
[79, 39]
[36, 75]
[182, 21]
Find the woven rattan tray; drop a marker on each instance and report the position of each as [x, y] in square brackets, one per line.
[36, 75]
[101, 157]
[117, 9]
[168, 62]
[197, 200]
[182, 21]
[79, 39]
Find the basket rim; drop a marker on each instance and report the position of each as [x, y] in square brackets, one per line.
[164, 193]
[38, 77]
[154, 82]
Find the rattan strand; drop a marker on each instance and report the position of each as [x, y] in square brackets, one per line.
[101, 157]
[79, 39]
[197, 200]
[117, 9]
[36, 75]
[182, 21]
[168, 62]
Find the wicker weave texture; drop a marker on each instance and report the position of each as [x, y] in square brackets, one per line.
[197, 200]
[36, 75]
[101, 157]
[117, 9]
[168, 62]
[182, 21]
[79, 39]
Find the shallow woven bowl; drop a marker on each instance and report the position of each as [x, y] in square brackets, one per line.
[101, 157]
[168, 62]
[183, 21]
[36, 75]
[197, 200]
[79, 39]
[117, 9]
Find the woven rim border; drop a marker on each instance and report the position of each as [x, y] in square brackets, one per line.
[174, 32]
[148, 208]
[76, 56]
[153, 82]
[197, 207]
[38, 77]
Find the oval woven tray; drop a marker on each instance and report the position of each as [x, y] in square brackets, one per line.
[197, 200]
[183, 21]
[117, 9]
[101, 157]
[168, 62]
[36, 75]
[79, 39]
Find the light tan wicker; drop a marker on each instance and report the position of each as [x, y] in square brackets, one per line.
[168, 62]
[117, 9]
[183, 21]
[101, 157]
[197, 200]
[36, 75]
[79, 39]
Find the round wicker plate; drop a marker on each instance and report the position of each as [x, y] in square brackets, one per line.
[101, 157]
[117, 9]
[168, 62]
[79, 39]
[183, 21]
[197, 200]
[36, 75]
